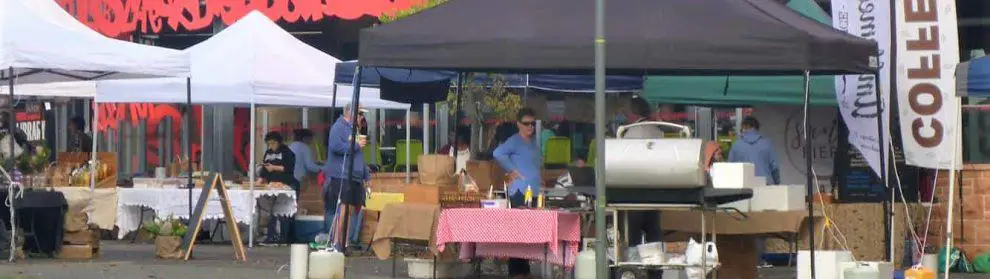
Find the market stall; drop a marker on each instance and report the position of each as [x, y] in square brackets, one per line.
[545, 41]
[34, 53]
[251, 62]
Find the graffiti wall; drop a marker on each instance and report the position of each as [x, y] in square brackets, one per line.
[120, 17]
[112, 116]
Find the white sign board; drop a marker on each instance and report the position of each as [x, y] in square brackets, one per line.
[784, 125]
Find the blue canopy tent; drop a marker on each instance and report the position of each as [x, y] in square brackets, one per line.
[973, 78]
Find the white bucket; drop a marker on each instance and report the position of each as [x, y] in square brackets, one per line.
[423, 268]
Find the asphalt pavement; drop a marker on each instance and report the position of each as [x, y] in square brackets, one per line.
[121, 260]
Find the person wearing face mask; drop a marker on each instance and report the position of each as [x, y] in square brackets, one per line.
[520, 156]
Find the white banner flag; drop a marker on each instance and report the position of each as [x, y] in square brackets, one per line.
[856, 94]
[927, 54]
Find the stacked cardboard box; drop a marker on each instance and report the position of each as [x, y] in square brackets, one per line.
[81, 241]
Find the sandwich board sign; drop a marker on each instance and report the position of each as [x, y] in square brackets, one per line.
[196, 220]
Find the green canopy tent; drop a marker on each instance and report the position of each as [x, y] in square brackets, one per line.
[719, 91]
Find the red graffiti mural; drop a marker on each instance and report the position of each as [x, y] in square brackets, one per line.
[116, 17]
[111, 115]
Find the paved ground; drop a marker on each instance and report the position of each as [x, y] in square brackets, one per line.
[136, 261]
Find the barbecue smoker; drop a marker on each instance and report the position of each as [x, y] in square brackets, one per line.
[659, 174]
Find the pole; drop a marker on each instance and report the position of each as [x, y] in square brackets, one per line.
[352, 149]
[188, 140]
[10, 187]
[601, 242]
[333, 108]
[888, 196]
[808, 170]
[457, 112]
[952, 188]
[252, 169]
[408, 148]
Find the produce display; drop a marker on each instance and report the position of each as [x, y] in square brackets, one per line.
[74, 169]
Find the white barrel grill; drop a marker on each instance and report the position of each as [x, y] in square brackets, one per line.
[675, 163]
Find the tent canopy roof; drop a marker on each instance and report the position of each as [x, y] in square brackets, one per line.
[43, 43]
[745, 90]
[251, 61]
[748, 37]
[973, 78]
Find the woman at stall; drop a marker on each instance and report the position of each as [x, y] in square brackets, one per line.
[278, 166]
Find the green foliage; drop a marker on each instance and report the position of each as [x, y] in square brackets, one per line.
[166, 227]
[496, 99]
[386, 18]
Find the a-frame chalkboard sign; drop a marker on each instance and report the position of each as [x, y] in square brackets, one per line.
[196, 222]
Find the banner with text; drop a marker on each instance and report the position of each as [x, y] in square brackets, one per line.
[927, 54]
[856, 94]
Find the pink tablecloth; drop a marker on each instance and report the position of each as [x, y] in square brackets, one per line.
[511, 233]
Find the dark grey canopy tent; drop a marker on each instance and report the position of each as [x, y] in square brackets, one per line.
[655, 36]
[671, 37]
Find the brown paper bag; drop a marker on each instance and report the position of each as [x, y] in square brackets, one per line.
[436, 169]
[168, 247]
[76, 220]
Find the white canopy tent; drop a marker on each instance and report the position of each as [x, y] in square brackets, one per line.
[251, 62]
[41, 43]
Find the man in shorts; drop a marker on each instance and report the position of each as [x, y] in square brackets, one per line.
[349, 190]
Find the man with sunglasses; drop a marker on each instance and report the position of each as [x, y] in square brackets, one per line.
[349, 190]
[520, 157]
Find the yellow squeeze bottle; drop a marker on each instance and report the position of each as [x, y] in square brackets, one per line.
[529, 195]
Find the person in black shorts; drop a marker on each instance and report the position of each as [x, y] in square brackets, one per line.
[348, 190]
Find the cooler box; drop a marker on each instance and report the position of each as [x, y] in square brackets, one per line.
[308, 226]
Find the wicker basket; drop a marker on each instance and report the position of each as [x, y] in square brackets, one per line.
[460, 199]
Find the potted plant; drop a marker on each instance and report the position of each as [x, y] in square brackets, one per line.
[168, 235]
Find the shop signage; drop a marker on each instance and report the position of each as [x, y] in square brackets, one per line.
[927, 53]
[783, 126]
[857, 94]
[116, 17]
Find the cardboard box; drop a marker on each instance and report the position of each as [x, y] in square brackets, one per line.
[425, 194]
[486, 174]
[778, 198]
[76, 252]
[83, 237]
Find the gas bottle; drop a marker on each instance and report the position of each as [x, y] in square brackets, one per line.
[860, 271]
[919, 273]
[325, 264]
[584, 268]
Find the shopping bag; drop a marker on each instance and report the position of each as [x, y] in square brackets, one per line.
[698, 253]
[436, 170]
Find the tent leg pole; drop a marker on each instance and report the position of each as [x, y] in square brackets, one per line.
[888, 196]
[188, 140]
[457, 112]
[952, 188]
[808, 170]
[10, 187]
[408, 149]
[354, 151]
[252, 172]
[601, 242]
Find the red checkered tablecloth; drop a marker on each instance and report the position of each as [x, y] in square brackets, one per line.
[511, 233]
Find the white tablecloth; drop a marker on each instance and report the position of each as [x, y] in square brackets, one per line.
[175, 203]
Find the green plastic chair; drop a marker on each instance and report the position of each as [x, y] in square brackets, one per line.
[591, 154]
[558, 151]
[402, 159]
[372, 154]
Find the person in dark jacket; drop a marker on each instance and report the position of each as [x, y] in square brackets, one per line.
[278, 166]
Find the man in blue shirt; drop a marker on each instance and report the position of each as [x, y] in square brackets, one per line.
[520, 157]
[304, 156]
[349, 190]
